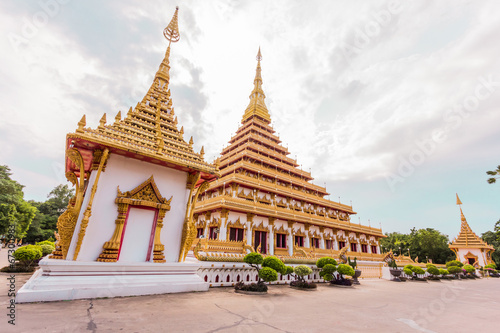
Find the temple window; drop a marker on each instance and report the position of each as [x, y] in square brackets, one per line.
[364, 248]
[354, 247]
[374, 248]
[281, 241]
[199, 232]
[315, 242]
[236, 234]
[329, 244]
[213, 233]
[299, 240]
[341, 245]
[260, 238]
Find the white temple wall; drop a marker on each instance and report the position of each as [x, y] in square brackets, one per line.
[128, 174]
[477, 252]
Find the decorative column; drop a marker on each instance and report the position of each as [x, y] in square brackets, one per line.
[208, 216]
[290, 237]
[307, 242]
[224, 214]
[249, 228]
[322, 238]
[270, 239]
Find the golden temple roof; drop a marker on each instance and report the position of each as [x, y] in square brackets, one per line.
[257, 107]
[258, 177]
[467, 238]
[149, 131]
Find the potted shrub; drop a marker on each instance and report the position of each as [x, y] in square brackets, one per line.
[328, 267]
[433, 271]
[443, 272]
[343, 270]
[469, 271]
[395, 272]
[455, 271]
[300, 283]
[267, 273]
[416, 272]
[357, 272]
[491, 270]
[27, 257]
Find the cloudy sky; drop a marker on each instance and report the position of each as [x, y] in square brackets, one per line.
[393, 106]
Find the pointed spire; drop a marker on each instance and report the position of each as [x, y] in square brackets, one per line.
[458, 200]
[171, 32]
[191, 141]
[118, 116]
[81, 124]
[257, 107]
[102, 122]
[181, 132]
[202, 152]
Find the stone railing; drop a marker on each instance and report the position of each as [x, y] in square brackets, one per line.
[227, 274]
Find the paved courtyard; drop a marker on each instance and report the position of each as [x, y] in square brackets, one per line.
[374, 306]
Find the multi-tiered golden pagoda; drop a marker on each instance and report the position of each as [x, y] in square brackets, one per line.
[264, 202]
[468, 247]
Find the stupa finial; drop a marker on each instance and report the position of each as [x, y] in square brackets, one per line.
[171, 32]
[257, 107]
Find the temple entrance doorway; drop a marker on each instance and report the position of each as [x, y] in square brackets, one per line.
[138, 235]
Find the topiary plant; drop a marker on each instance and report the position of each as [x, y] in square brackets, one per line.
[433, 270]
[344, 269]
[443, 272]
[417, 270]
[253, 259]
[268, 274]
[454, 263]
[492, 265]
[327, 272]
[28, 255]
[454, 270]
[325, 261]
[46, 242]
[469, 269]
[301, 271]
[274, 263]
[46, 249]
[408, 270]
[289, 270]
[353, 264]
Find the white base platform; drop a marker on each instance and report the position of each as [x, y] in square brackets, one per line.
[66, 280]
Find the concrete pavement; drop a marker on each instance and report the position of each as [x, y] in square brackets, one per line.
[374, 306]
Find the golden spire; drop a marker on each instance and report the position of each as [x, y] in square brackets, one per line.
[171, 33]
[257, 107]
[458, 200]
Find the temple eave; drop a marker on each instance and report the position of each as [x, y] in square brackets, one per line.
[87, 142]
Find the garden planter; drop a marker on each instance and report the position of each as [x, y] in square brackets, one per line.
[340, 286]
[305, 289]
[396, 273]
[357, 273]
[251, 292]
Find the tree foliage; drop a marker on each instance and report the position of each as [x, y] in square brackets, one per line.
[45, 222]
[493, 239]
[13, 209]
[423, 243]
[495, 175]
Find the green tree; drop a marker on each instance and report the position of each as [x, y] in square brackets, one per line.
[430, 244]
[495, 174]
[13, 209]
[395, 241]
[45, 222]
[493, 239]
